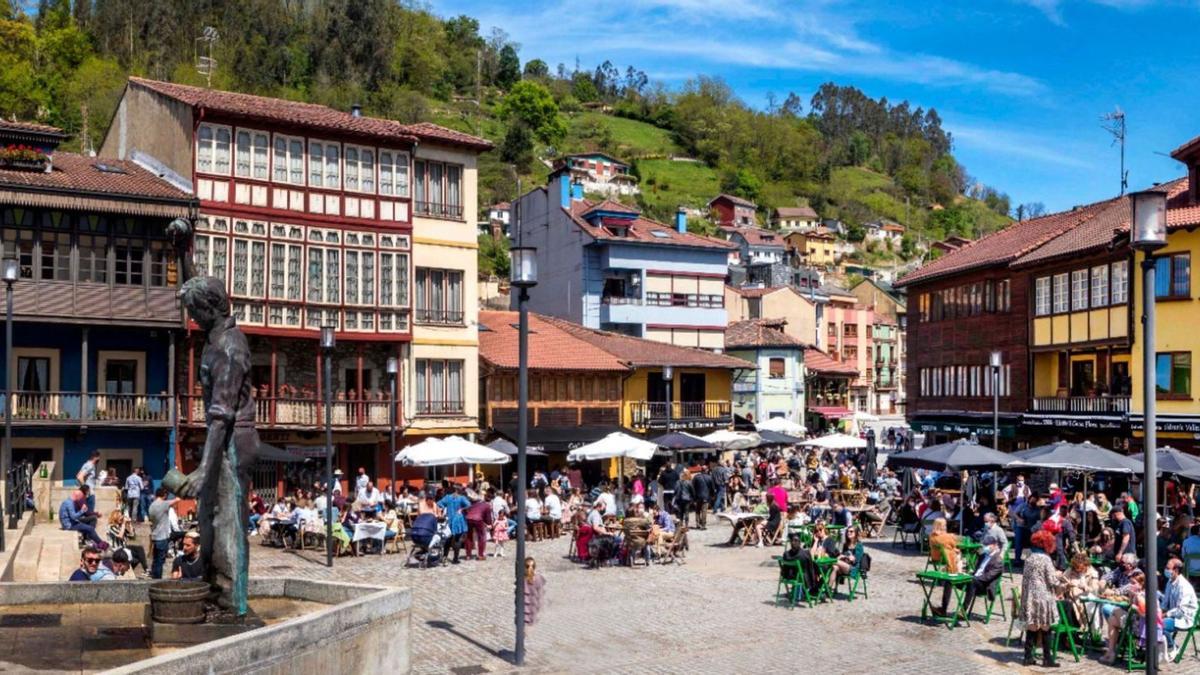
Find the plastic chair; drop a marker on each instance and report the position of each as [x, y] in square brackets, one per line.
[905, 532]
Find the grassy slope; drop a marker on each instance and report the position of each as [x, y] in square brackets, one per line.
[629, 138]
[667, 185]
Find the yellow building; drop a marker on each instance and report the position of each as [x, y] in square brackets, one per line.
[815, 247]
[1176, 334]
[778, 302]
[444, 359]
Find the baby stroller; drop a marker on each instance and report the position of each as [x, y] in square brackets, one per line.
[427, 537]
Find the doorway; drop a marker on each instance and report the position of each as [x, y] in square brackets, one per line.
[364, 455]
[1083, 378]
[33, 455]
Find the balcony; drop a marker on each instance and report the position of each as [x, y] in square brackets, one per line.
[438, 317]
[51, 408]
[684, 414]
[1080, 404]
[438, 210]
[298, 413]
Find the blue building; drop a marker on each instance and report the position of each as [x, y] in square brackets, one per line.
[95, 312]
[604, 265]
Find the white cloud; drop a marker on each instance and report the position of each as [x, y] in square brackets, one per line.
[1053, 9]
[1017, 145]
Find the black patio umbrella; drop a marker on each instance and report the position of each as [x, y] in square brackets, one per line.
[775, 438]
[1086, 457]
[960, 455]
[680, 441]
[1173, 462]
[509, 448]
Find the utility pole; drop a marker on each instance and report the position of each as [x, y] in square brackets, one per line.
[1114, 123]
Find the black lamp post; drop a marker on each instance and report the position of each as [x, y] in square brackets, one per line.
[393, 369]
[995, 363]
[1149, 230]
[522, 276]
[11, 271]
[328, 342]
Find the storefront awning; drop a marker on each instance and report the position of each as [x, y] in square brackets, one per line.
[831, 412]
[562, 439]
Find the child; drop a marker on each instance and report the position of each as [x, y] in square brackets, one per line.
[500, 534]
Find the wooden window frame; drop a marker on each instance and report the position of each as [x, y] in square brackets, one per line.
[1169, 394]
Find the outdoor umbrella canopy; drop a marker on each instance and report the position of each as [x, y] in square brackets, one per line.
[955, 456]
[616, 444]
[775, 438]
[733, 440]
[782, 425]
[447, 451]
[836, 442]
[509, 448]
[1086, 457]
[1172, 461]
[676, 440]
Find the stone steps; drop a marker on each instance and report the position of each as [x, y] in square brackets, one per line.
[50, 562]
[25, 564]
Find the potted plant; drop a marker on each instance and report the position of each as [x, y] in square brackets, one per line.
[23, 157]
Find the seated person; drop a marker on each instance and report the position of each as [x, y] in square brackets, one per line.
[71, 514]
[989, 569]
[791, 554]
[1078, 581]
[852, 552]
[943, 546]
[662, 532]
[188, 564]
[89, 560]
[1133, 594]
[1178, 605]
[114, 568]
[823, 546]
[796, 517]
[841, 516]
[636, 528]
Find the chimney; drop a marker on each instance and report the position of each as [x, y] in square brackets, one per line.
[564, 189]
[577, 191]
[681, 221]
[356, 109]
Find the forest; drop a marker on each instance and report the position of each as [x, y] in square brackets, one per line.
[850, 156]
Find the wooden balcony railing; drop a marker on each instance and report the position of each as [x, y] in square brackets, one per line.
[71, 407]
[298, 413]
[1080, 404]
[684, 414]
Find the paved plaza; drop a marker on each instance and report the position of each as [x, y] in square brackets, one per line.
[715, 614]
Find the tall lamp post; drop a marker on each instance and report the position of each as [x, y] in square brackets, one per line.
[668, 375]
[393, 369]
[328, 342]
[1149, 230]
[995, 362]
[11, 270]
[522, 276]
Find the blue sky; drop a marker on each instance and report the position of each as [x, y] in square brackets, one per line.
[1021, 84]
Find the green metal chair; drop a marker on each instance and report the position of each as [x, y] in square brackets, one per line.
[1188, 637]
[1008, 562]
[994, 595]
[857, 578]
[791, 585]
[1064, 628]
[938, 565]
[1016, 611]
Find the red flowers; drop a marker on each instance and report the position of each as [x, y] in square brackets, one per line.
[22, 153]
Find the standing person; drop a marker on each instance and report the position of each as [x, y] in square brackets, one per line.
[720, 476]
[683, 497]
[534, 586]
[1025, 517]
[147, 491]
[160, 530]
[668, 478]
[1126, 537]
[454, 504]
[479, 518]
[133, 496]
[702, 493]
[362, 484]
[1039, 605]
[87, 476]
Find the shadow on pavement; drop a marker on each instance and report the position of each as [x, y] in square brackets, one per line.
[503, 654]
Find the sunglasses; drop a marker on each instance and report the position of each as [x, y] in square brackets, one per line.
[91, 561]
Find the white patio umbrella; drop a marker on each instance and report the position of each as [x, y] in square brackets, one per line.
[836, 442]
[783, 425]
[733, 440]
[616, 444]
[447, 451]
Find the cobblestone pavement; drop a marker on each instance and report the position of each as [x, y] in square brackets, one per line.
[715, 614]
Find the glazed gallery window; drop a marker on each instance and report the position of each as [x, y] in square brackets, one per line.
[286, 260]
[360, 169]
[324, 275]
[439, 296]
[1172, 276]
[393, 279]
[249, 268]
[1120, 282]
[777, 368]
[212, 149]
[252, 159]
[324, 165]
[439, 386]
[360, 277]
[1041, 295]
[1100, 286]
[1079, 290]
[1062, 293]
[210, 255]
[393, 173]
[1173, 371]
[289, 160]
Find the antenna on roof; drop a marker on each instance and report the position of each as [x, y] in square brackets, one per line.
[205, 65]
[1114, 123]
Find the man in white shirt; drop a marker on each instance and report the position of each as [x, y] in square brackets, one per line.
[499, 504]
[553, 511]
[87, 476]
[610, 501]
[1179, 604]
[373, 497]
[362, 485]
[133, 496]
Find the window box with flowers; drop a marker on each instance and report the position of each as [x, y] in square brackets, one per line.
[23, 157]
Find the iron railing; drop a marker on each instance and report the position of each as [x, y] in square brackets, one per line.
[20, 489]
[1081, 404]
[683, 413]
[438, 210]
[51, 407]
[298, 412]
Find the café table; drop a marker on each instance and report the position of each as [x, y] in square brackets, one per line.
[969, 549]
[740, 522]
[1096, 606]
[825, 567]
[932, 579]
[369, 529]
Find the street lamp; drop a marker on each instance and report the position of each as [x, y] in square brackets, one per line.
[668, 374]
[11, 271]
[328, 342]
[522, 276]
[995, 362]
[1148, 230]
[393, 369]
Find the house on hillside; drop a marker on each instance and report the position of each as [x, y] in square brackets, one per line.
[599, 173]
[756, 245]
[887, 231]
[604, 265]
[793, 218]
[816, 247]
[776, 387]
[730, 211]
[834, 226]
[951, 243]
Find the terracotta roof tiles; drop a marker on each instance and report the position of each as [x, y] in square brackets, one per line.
[795, 212]
[734, 199]
[77, 173]
[638, 352]
[641, 230]
[550, 347]
[30, 128]
[821, 363]
[759, 333]
[757, 236]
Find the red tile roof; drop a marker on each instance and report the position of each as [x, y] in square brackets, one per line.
[30, 128]
[640, 229]
[759, 333]
[550, 348]
[612, 207]
[638, 352]
[820, 362]
[795, 212]
[1004, 246]
[757, 236]
[735, 200]
[307, 114]
[80, 174]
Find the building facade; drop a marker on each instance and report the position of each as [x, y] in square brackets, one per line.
[598, 173]
[605, 266]
[730, 211]
[775, 388]
[793, 218]
[94, 307]
[313, 218]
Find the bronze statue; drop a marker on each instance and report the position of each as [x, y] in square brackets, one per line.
[221, 481]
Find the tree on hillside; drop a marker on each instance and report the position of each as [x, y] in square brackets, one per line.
[537, 69]
[509, 67]
[531, 104]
